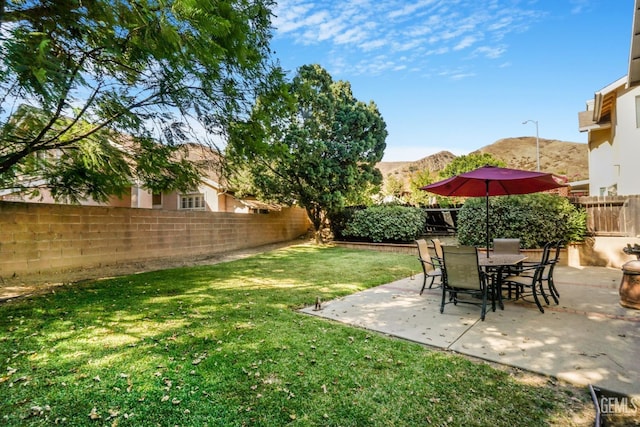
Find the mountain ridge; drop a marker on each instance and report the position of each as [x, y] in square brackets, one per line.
[569, 159]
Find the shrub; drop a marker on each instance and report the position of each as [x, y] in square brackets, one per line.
[338, 220]
[534, 218]
[386, 223]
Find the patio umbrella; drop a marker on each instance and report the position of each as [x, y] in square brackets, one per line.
[494, 181]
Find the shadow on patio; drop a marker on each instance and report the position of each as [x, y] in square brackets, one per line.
[586, 339]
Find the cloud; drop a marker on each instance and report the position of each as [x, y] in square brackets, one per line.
[465, 42]
[409, 9]
[491, 52]
[405, 34]
[580, 6]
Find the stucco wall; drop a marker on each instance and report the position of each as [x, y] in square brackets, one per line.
[601, 159]
[601, 251]
[37, 238]
[627, 141]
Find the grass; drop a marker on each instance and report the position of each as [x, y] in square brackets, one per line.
[223, 345]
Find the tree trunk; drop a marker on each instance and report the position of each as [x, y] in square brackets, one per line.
[315, 215]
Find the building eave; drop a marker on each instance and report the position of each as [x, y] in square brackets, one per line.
[605, 98]
[634, 54]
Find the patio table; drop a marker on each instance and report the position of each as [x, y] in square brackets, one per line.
[497, 263]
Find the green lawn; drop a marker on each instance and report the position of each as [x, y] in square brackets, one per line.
[223, 345]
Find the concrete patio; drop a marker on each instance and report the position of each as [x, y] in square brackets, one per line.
[587, 339]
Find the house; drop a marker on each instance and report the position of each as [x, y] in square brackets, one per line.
[212, 195]
[612, 121]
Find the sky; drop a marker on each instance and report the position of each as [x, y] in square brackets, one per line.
[458, 75]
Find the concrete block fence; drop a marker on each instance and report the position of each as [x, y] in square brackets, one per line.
[39, 238]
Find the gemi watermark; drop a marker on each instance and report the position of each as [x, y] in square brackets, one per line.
[610, 405]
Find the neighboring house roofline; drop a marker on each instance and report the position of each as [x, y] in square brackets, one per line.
[211, 183]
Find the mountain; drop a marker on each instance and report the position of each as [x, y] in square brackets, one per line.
[570, 159]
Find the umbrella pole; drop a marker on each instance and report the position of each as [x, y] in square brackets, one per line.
[487, 213]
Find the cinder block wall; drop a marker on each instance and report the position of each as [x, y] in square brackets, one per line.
[36, 238]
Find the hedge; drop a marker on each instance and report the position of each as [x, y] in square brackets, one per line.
[534, 218]
[386, 223]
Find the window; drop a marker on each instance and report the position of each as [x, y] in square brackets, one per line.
[156, 199]
[638, 112]
[192, 202]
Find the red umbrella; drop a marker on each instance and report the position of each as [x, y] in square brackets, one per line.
[494, 181]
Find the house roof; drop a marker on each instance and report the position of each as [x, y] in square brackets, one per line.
[598, 114]
[634, 55]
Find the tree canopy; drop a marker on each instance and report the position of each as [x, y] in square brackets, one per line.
[469, 162]
[97, 94]
[317, 146]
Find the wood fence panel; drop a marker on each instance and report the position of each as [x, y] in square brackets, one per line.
[607, 215]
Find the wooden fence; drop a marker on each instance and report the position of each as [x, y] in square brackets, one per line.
[611, 215]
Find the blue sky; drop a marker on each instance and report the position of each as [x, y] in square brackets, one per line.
[457, 75]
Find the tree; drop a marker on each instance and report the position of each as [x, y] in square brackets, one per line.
[97, 94]
[316, 146]
[462, 164]
[417, 181]
[466, 163]
[393, 187]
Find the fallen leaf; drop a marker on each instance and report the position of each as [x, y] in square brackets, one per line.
[93, 415]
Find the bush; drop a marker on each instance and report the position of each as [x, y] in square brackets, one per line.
[386, 223]
[534, 218]
[338, 220]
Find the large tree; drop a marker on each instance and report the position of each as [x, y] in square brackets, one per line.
[462, 164]
[97, 94]
[469, 162]
[315, 145]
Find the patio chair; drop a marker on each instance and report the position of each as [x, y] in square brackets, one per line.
[506, 246]
[462, 275]
[437, 247]
[547, 274]
[528, 282]
[430, 268]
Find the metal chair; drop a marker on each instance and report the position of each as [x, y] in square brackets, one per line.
[506, 246]
[547, 274]
[462, 274]
[429, 267]
[437, 247]
[529, 280]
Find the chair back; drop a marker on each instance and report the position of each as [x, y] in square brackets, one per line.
[506, 246]
[461, 267]
[546, 252]
[424, 256]
[437, 247]
[554, 255]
